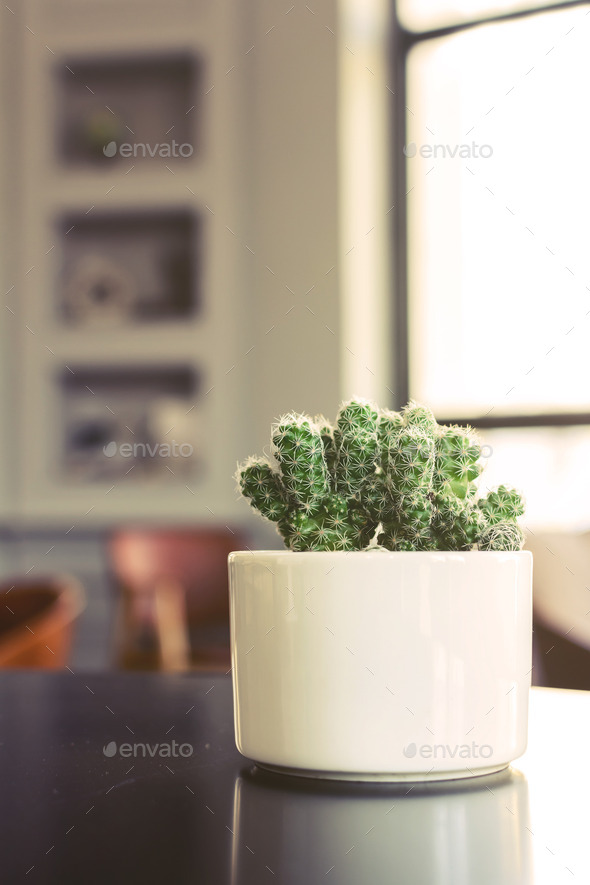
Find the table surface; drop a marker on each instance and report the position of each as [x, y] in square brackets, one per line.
[135, 778]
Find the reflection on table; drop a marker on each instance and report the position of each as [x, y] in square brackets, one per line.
[447, 832]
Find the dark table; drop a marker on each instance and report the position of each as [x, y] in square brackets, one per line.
[135, 779]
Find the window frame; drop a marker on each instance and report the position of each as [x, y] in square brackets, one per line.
[402, 41]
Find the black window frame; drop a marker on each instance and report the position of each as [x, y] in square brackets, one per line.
[402, 41]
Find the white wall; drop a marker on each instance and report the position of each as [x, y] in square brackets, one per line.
[285, 297]
[293, 212]
[10, 40]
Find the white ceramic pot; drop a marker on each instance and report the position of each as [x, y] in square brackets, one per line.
[381, 666]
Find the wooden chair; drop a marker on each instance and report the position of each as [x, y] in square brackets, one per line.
[561, 608]
[173, 604]
[36, 621]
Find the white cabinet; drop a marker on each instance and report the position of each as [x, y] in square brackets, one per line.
[146, 287]
[128, 296]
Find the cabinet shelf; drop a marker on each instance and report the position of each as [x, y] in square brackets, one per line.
[113, 107]
[129, 267]
[128, 343]
[129, 423]
[124, 267]
[182, 184]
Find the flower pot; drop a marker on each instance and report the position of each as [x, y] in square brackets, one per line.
[37, 621]
[376, 665]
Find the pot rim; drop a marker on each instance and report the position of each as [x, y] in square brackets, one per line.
[434, 555]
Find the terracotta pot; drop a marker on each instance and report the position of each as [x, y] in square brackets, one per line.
[36, 621]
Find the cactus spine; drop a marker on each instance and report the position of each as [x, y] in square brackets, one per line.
[399, 480]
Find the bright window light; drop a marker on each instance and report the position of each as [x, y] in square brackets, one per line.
[498, 181]
[549, 465]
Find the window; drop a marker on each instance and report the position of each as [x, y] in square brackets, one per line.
[493, 269]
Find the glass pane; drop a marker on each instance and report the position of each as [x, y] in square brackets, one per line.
[550, 467]
[426, 15]
[499, 265]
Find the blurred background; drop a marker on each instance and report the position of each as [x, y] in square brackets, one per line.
[215, 212]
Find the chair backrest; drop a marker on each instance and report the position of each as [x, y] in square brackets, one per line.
[36, 621]
[561, 578]
[195, 558]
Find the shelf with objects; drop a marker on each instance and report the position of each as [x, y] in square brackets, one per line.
[132, 424]
[129, 268]
[128, 278]
[114, 109]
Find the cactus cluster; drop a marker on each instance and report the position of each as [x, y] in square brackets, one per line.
[397, 480]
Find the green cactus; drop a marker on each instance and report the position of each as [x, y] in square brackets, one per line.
[398, 480]
[503, 505]
[355, 437]
[327, 435]
[299, 451]
[502, 536]
[263, 486]
[415, 415]
[457, 457]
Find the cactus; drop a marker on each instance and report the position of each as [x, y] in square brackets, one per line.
[502, 536]
[397, 480]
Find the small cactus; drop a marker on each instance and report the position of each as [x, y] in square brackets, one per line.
[395, 479]
[502, 536]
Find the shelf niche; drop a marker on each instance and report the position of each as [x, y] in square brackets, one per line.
[129, 267]
[129, 423]
[152, 105]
